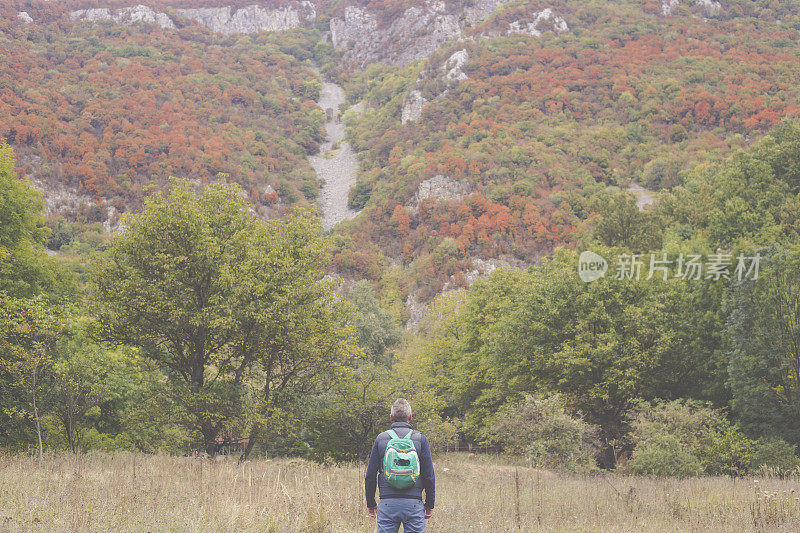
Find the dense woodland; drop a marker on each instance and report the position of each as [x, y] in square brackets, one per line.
[106, 111]
[540, 126]
[224, 314]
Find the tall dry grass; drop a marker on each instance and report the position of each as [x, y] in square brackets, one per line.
[129, 492]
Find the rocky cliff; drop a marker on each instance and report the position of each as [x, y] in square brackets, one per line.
[225, 20]
[252, 19]
[411, 36]
[362, 34]
[125, 15]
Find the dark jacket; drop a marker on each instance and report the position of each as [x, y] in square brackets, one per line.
[376, 476]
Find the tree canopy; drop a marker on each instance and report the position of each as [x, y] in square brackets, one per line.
[221, 300]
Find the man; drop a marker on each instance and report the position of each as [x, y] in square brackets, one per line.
[400, 506]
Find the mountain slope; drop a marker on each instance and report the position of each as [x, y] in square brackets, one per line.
[490, 130]
[543, 106]
[101, 111]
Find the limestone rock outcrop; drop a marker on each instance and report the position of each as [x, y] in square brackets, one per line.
[252, 19]
[442, 188]
[411, 36]
[543, 20]
[125, 15]
[226, 19]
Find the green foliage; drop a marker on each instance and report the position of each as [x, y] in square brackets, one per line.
[664, 457]
[599, 345]
[352, 413]
[90, 389]
[764, 359]
[359, 195]
[747, 199]
[623, 224]
[774, 454]
[683, 434]
[220, 300]
[29, 330]
[376, 329]
[781, 149]
[24, 268]
[541, 431]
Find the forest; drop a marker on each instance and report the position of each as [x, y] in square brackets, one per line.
[202, 324]
[538, 127]
[187, 299]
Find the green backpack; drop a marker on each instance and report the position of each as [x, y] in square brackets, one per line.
[400, 461]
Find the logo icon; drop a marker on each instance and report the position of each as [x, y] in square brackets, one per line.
[591, 266]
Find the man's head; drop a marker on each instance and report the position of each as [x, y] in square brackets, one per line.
[401, 411]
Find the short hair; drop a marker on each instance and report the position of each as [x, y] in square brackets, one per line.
[401, 410]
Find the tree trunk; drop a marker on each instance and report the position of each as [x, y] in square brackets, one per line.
[36, 413]
[210, 440]
[251, 441]
[71, 433]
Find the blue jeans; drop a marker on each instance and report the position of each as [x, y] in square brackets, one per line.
[395, 511]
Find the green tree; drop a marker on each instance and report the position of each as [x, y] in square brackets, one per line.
[30, 322]
[599, 345]
[763, 347]
[685, 437]
[623, 224]
[782, 150]
[352, 413]
[29, 329]
[376, 328]
[222, 301]
[749, 198]
[92, 389]
[25, 270]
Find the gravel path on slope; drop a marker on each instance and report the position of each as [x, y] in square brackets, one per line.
[337, 168]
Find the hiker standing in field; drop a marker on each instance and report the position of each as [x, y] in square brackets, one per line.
[400, 465]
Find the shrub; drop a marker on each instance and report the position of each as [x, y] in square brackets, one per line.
[703, 433]
[775, 454]
[725, 450]
[541, 431]
[442, 434]
[359, 195]
[664, 456]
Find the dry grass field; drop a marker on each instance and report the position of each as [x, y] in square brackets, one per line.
[129, 492]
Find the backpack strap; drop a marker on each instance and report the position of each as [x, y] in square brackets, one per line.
[392, 434]
[410, 431]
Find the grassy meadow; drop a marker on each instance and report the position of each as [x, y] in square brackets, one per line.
[133, 492]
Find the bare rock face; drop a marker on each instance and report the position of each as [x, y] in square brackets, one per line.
[453, 66]
[412, 36]
[482, 268]
[126, 15]
[61, 201]
[450, 73]
[416, 312]
[25, 17]
[711, 7]
[409, 37]
[442, 188]
[352, 29]
[667, 6]
[412, 106]
[481, 9]
[252, 19]
[226, 20]
[542, 21]
[708, 8]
